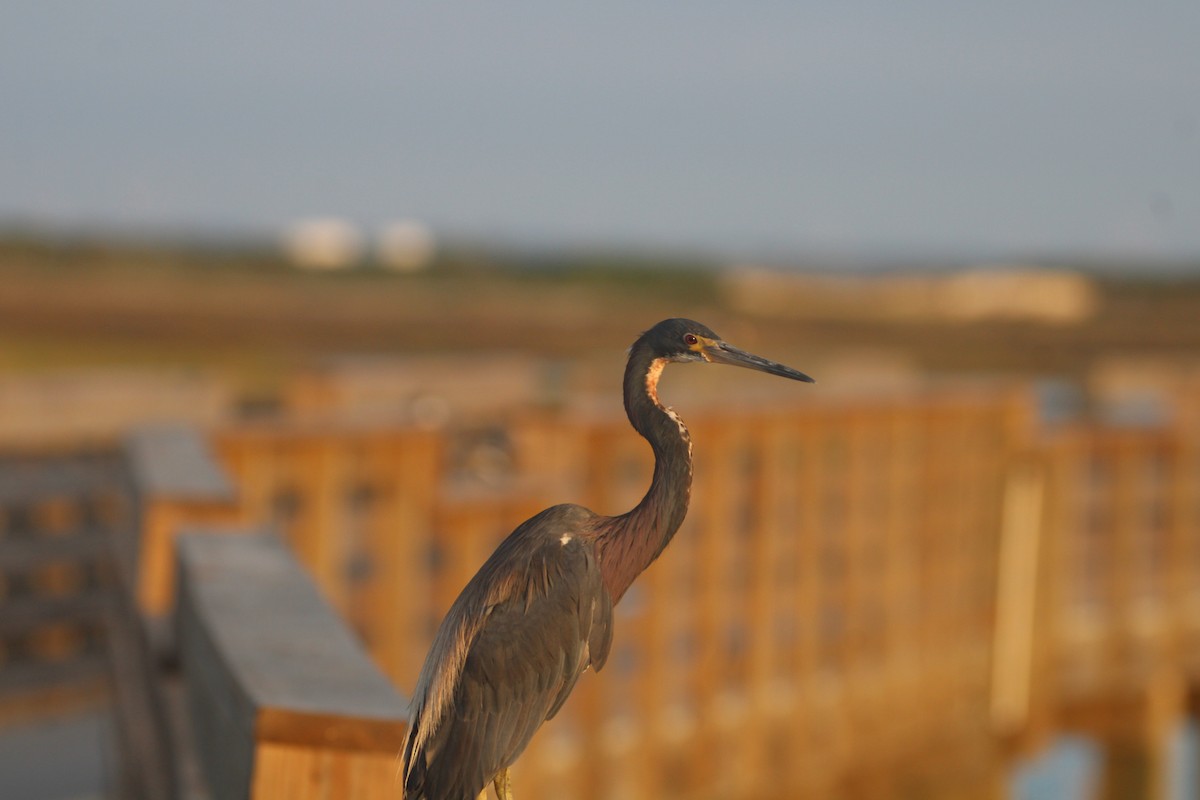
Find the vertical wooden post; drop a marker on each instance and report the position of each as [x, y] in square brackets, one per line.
[1180, 565]
[317, 534]
[767, 704]
[812, 745]
[1166, 704]
[400, 541]
[175, 480]
[711, 498]
[1017, 598]
[1124, 564]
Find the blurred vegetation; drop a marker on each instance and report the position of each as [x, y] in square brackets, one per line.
[245, 309]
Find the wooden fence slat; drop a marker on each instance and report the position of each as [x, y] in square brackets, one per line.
[1017, 598]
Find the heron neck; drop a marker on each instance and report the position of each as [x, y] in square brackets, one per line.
[637, 538]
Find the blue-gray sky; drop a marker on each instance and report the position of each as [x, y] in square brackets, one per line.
[1022, 127]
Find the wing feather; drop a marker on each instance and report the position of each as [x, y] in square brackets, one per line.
[507, 657]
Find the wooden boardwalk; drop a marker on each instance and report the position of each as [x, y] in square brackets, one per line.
[891, 597]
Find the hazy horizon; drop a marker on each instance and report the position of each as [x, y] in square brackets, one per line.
[855, 132]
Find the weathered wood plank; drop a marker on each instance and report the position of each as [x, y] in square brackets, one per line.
[22, 678]
[150, 763]
[176, 480]
[1017, 600]
[25, 614]
[176, 462]
[85, 544]
[266, 660]
[30, 480]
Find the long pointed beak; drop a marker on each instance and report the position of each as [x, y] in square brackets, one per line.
[722, 353]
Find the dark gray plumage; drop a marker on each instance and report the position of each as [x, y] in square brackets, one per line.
[539, 611]
[545, 618]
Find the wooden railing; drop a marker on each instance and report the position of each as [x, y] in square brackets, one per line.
[869, 599]
[58, 516]
[835, 578]
[283, 702]
[1119, 622]
[232, 677]
[1128, 555]
[174, 480]
[171, 478]
[357, 507]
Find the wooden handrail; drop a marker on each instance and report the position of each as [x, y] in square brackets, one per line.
[175, 479]
[282, 699]
[175, 461]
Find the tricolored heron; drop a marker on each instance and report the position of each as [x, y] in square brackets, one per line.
[539, 611]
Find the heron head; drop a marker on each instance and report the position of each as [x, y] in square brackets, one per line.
[688, 340]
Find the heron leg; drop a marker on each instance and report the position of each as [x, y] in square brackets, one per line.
[502, 785]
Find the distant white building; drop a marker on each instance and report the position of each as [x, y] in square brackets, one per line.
[405, 246]
[324, 244]
[992, 292]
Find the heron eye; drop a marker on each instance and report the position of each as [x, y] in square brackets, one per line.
[690, 339]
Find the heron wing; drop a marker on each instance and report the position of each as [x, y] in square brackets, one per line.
[547, 617]
[596, 619]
